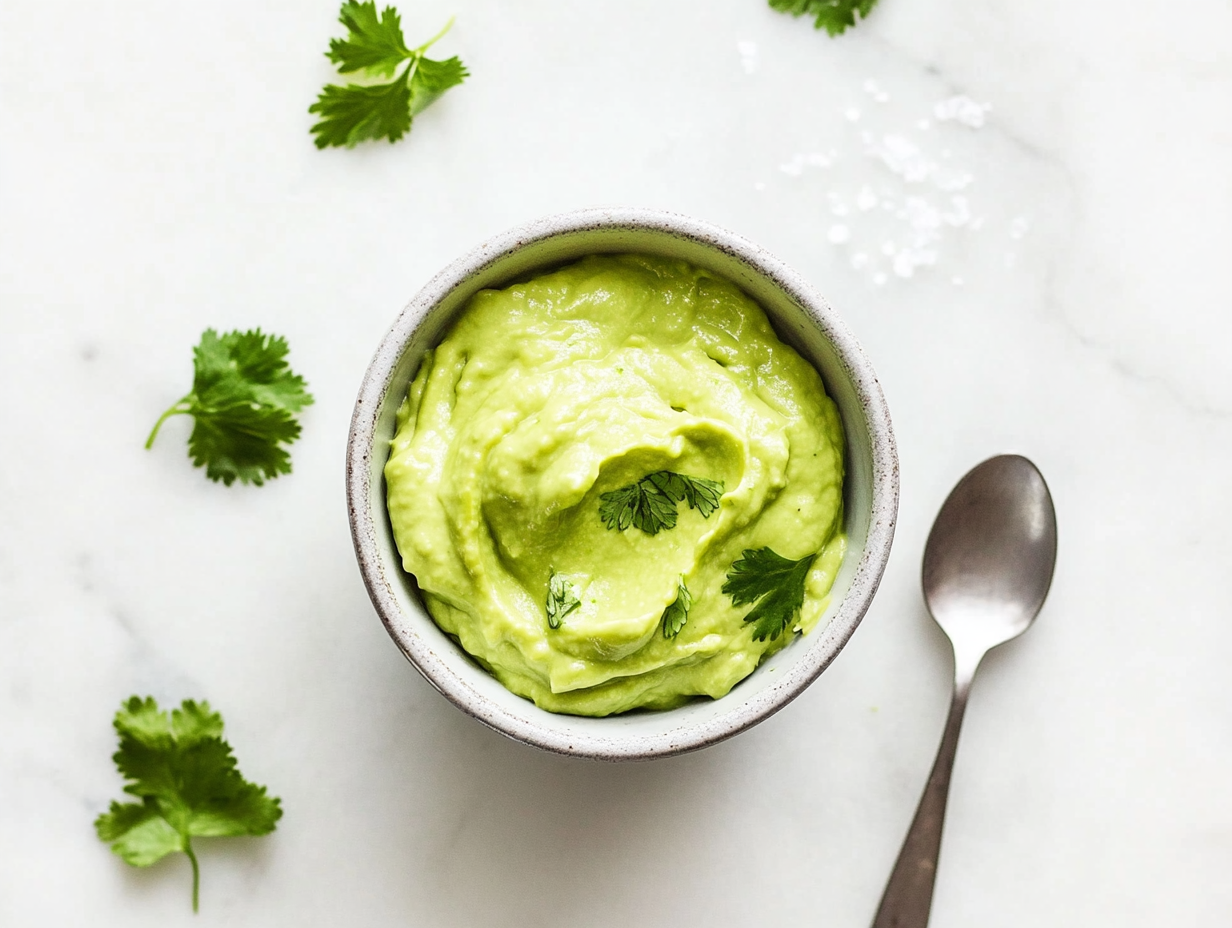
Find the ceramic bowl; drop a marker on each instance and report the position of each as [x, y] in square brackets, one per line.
[801, 317]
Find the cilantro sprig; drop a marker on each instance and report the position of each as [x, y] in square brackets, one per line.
[835, 16]
[185, 778]
[375, 47]
[562, 599]
[677, 612]
[650, 504]
[243, 403]
[777, 582]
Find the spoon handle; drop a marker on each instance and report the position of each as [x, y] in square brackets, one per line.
[909, 893]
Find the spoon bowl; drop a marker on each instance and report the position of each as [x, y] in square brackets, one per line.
[988, 565]
[989, 557]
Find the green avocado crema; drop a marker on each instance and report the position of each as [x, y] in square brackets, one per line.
[548, 394]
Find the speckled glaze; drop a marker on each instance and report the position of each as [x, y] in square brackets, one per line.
[801, 317]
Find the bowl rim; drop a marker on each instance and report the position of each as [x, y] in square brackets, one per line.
[552, 735]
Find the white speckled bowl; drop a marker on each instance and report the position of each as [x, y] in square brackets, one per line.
[800, 316]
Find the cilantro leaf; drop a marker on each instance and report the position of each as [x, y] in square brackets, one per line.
[432, 78]
[185, 777]
[701, 494]
[562, 599]
[650, 504]
[835, 16]
[677, 613]
[353, 113]
[375, 46]
[760, 574]
[641, 504]
[243, 402]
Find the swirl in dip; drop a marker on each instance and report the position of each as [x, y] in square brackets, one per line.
[547, 395]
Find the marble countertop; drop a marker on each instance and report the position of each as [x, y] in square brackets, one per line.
[1023, 211]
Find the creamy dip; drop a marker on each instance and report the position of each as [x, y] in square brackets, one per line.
[546, 398]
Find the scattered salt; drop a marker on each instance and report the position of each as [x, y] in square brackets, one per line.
[903, 157]
[924, 196]
[963, 110]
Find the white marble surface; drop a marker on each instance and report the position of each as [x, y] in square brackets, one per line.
[156, 177]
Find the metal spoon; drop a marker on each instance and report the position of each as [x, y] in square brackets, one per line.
[987, 568]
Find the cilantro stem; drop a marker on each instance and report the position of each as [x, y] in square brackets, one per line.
[411, 68]
[436, 38]
[183, 407]
[196, 870]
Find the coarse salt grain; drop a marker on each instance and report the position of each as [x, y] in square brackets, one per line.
[963, 110]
